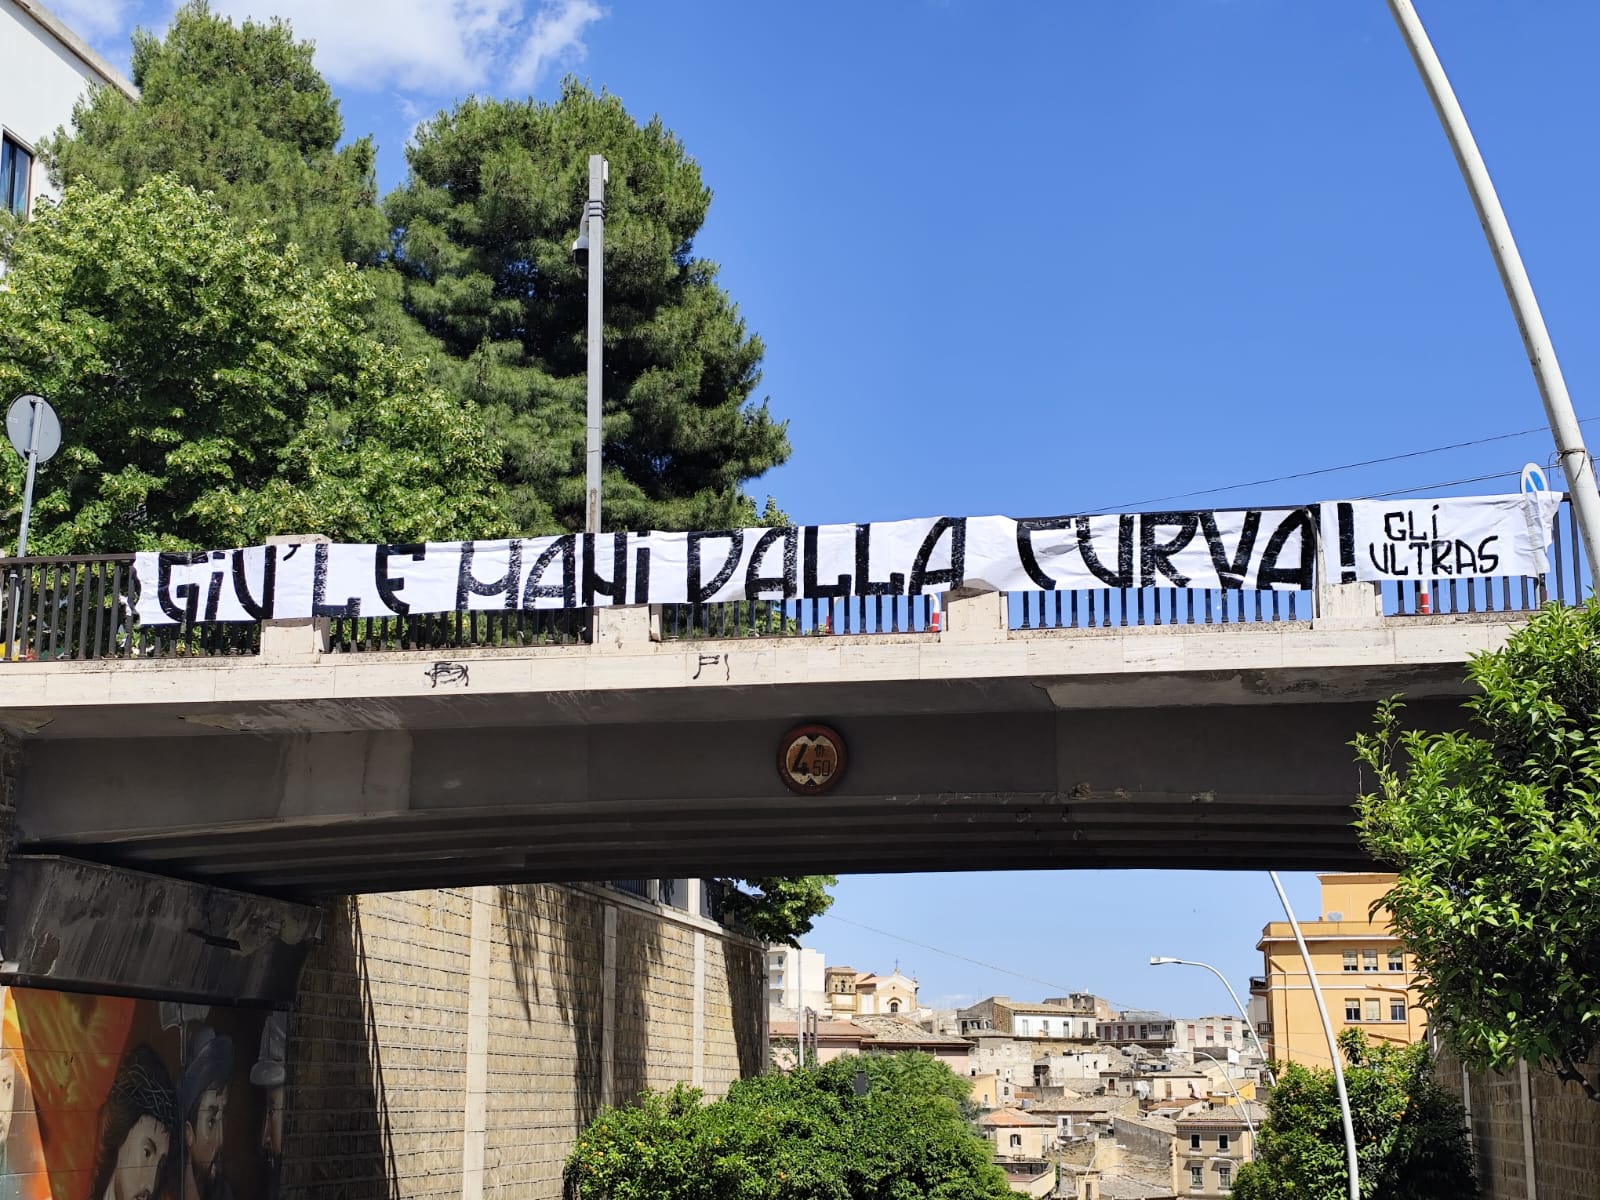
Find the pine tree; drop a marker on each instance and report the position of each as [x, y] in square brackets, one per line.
[484, 227]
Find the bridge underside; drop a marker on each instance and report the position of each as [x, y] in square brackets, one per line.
[304, 798]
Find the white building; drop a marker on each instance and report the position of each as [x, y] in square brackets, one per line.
[790, 968]
[47, 69]
[1215, 1034]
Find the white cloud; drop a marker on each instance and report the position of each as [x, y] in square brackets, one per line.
[430, 46]
[94, 19]
[556, 39]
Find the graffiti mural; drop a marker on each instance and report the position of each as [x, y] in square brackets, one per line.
[108, 1098]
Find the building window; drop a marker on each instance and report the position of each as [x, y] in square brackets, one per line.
[894, 1006]
[1350, 960]
[1022, 1027]
[1222, 1143]
[16, 175]
[1227, 1035]
[1211, 1034]
[1374, 1010]
[1397, 1010]
[1016, 1139]
[1194, 1141]
[1225, 1179]
[1397, 960]
[1369, 960]
[1352, 1009]
[1197, 1178]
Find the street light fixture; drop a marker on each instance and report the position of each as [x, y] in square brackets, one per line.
[589, 254]
[1165, 961]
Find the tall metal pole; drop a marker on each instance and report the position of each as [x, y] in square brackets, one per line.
[1575, 460]
[1333, 1043]
[595, 222]
[799, 1007]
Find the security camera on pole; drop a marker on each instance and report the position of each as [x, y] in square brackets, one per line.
[589, 251]
[35, 432]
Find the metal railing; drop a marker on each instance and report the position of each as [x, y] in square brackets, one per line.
[81, 607]
[800, 618]
[458, 630]
[1105, 608]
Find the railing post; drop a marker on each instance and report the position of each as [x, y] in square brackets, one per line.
[1347, 605]
[632, 625]
[974, 615]
[298, 640]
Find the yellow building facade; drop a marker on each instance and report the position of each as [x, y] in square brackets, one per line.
[1365, 973]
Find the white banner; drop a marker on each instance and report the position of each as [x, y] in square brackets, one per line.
[1241, 549]
[1374, 540]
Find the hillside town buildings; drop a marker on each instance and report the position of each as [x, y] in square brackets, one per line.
[1080, 1099]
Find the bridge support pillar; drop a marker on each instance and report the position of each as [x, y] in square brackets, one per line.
[974, 616]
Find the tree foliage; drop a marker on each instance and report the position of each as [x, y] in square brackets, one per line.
[239, 111]
[782, 908]
[1412, 1141]
[1495, 833]
[483, 229]
[214, 391]
[805, 1136]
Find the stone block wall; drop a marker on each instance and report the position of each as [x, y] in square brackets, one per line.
[1514, 1112]
[453, 1043]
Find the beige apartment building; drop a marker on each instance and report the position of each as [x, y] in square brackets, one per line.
[1365, 973]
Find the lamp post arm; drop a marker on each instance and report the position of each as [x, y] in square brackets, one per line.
[1575, 461]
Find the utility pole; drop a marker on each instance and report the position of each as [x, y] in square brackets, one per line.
[590, 250]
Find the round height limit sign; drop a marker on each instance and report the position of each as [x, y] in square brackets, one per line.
[811, 759]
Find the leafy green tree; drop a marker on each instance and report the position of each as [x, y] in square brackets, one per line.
[214, 391]
[805, 1136]
[1411, 1135]
[484, 227]
[1495, 833]
[239, 111]
[782, 908]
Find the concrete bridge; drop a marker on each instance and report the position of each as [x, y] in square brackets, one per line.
[301, 768]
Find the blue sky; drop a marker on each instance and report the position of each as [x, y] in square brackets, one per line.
[1047, 257]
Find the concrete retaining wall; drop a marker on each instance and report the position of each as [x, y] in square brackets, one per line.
[453, 1043]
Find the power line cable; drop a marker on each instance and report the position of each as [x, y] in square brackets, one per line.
[1370, 462]
[977, 962]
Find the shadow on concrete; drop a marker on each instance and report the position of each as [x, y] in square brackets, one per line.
[747, 990]
[556, 942]
[338, 1141]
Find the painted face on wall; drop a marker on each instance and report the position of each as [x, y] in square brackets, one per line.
[8, 1093]
[139, 1161]
[272, 1124]
[204, 1136]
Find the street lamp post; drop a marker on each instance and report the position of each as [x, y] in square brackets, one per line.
[590, 251]
[1353, 1167]
[1164, 961]
[1575, 461]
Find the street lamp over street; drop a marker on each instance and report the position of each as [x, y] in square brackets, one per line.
[1166, 960]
